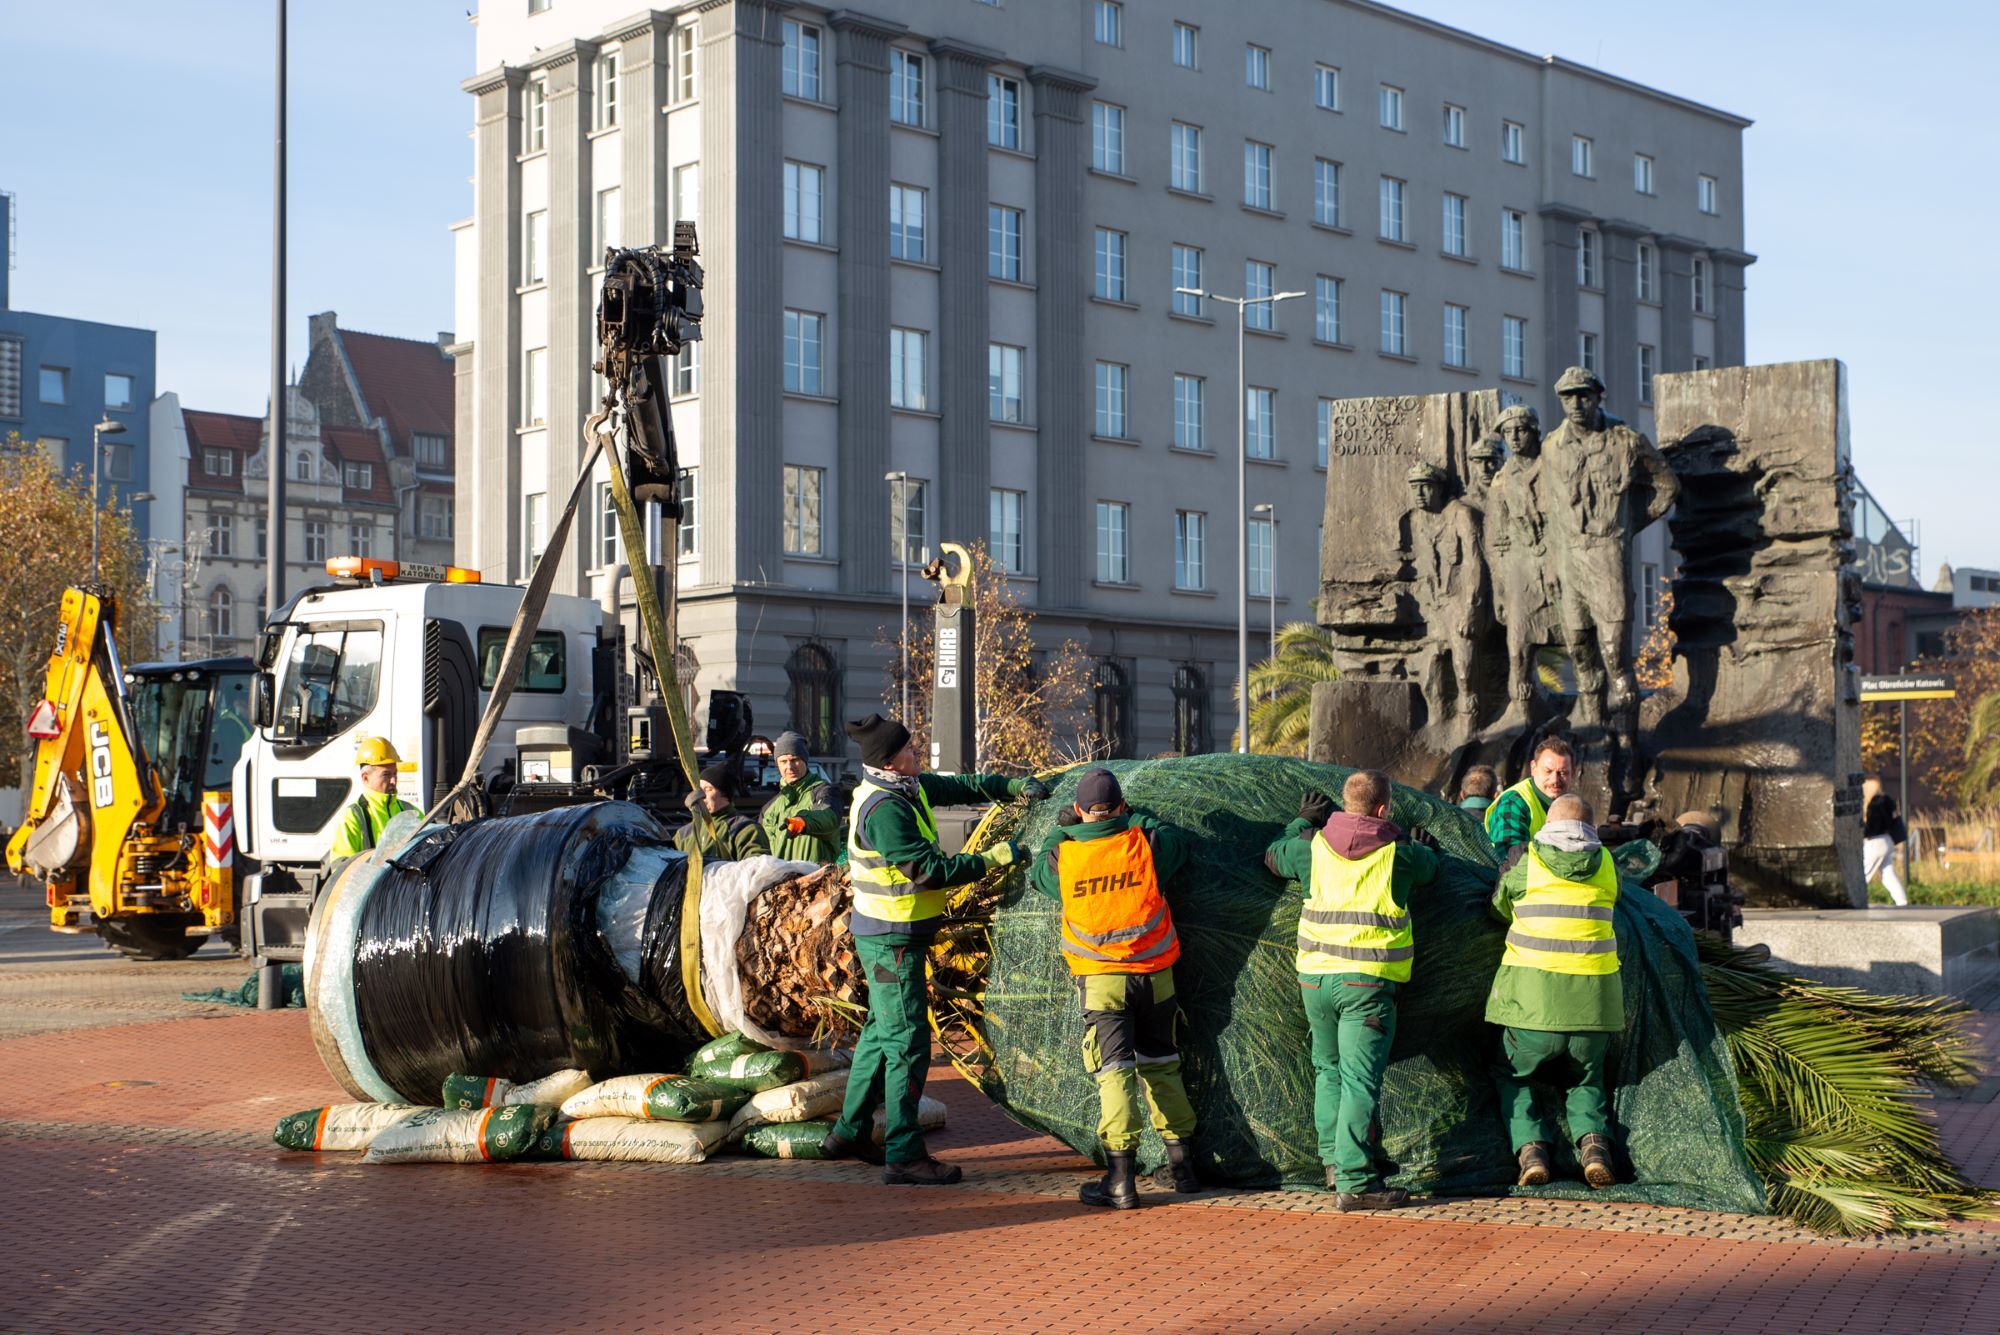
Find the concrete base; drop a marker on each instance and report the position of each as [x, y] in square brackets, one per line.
[1912, 951]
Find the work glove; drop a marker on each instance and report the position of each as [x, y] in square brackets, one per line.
[1422, 836]
[1003, 855]
[1070, 816]
[1031, 788]
[1314, 808]
[796, 825]
[693, 800]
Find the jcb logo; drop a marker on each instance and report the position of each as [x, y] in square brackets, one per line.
[100, 766]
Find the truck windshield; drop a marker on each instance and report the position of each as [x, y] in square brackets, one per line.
[329, 681]
[228, 730]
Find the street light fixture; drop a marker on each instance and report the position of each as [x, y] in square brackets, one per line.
[107, 427]
[1242, 305]
[901, 479]
[1269, 512]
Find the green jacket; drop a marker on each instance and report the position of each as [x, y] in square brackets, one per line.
[1290, 858]
[1170, 848]
[351, 839]
[892, 831]
[811, 799]
[1508, 819]
[1561, 1003]
[731, 837]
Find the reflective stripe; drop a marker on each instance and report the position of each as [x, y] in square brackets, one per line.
[1608, 946]
[882, 890]
[1122, 933]
[1169, 942]
[1346, 918]
[1386, 955]
[1564, 926]
[1594, 912]
[1351, 922]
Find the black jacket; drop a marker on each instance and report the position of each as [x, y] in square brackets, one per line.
[1881, 819]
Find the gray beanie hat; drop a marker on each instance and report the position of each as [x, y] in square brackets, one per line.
[791, 744]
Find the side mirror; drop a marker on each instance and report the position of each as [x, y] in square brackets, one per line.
[263, 699]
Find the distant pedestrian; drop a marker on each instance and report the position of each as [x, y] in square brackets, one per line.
[1882, 832]
[1478, 788]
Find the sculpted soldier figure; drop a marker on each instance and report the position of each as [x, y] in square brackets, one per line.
[1517, 550]
[1601, 483]
[1451, 581]
[1485, 458]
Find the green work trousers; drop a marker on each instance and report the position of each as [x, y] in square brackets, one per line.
[893, 1055]
[1571, 1062]
[1353, 1019]
[1130, 1021]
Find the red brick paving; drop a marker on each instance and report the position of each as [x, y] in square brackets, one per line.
[190, 1224]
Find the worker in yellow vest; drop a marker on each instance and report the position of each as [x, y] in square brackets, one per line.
[362, 823]
[1355, 949]
[1557, 996]
[1517, 815]
[899, 875]
[1107, 866]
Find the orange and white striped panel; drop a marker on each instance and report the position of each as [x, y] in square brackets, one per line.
[218, 831]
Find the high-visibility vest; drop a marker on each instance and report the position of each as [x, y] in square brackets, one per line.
[1564, 926]
[1351, 922]
[1114, 918]
[881, 890]
[1538, 815]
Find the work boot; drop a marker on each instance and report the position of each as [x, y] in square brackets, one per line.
[1177, 1173]
[1375, 1198]
[837, 1146]
[1595, 1151]
[1119, 1188]
[1534, 1161]
[925, 1172]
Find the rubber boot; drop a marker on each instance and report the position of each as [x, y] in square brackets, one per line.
[1534, 1161]
[1595, 1152]
[1119, 1187]
[920, 1173]
[1177, 1173]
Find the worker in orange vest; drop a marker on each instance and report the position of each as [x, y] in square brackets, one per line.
[1107, 865]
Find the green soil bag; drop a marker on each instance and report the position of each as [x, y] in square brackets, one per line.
[1677, 1123]
[789, 1140]
[754, 1071]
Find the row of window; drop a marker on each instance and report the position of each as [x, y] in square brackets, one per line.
[53, 385]
[434, 521]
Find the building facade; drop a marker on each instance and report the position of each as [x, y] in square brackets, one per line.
[944, 239]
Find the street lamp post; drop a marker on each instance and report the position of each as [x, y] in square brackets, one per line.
[1270, 515]
[1242, 305]
[97, 434]
[901, 479]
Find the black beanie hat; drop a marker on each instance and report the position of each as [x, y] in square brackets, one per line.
[1098, 791]
[879, 739]
[720, 777]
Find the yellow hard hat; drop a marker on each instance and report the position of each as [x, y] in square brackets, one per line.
[376, 751]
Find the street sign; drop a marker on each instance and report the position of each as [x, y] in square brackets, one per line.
[1924, 686]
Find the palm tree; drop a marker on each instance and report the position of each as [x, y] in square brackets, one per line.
[1982, 752]
[1281, 689]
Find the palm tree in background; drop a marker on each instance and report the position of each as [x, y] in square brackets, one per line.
[1281, 689]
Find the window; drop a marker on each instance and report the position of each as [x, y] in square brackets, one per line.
[222, 535]
[908, 375]
[358, 477]
[687, 193]
[1642, 173]
[1187, 46]
[1389, 107]
[803, 352]
[683, 64]
[687, 370]
[1513, 240]
[543, 672]
[1260, 280]
[1003, 112]
[906, 88]
[1394, 337]
[1108, 23]
[117, 461]
[1190, 710]
[1326, 309]
[433, 518]
[1323, 429]
[1698, 286]
[1454, 126]
[813, 695]
[1257, 67]
[1005, 536]
[1648, 269]
[1190, 412]
[804, 209]
[1649, 594]
[687, 534]
[1326, 88]
[1257, 174]
[1647, 360]
[264, 535]
[302, 467]
[117, 390]
[1701, 363]
[1454, 224]
[55, 448]
[538, 6]
[1107, 138]
[1587, 242]
[222, 614]
[802, 526]
[1190, 543]
[1586, 352]
[534, 529]
[534, 387]
[1110, 283]
[315, 544]
[1581, 161]
[1188, 274]
[218, 463]
[1262, 558]
[610, 220]
[1006, 383]
[1513, 142]
[534, 116]
[1114, 542]
[1112, 380]
[1514, 347]
[1003, 243]
[329, 680]
[535, 248]
[909, 535]
[1706, 196]
[1454, 335]
[609, 548]
[907, 205]
[361, 540]
[801, 61]
[1111, 708]
[1260, 422]
[1184, 158]
[607, 91]
[55, 385]
[1393, 213]
[1326, 192]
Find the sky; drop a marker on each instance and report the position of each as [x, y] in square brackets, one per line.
[1870, 184]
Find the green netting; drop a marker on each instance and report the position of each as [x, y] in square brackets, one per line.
[1678, 1124]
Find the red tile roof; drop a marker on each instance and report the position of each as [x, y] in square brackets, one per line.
[220, 431]
[405, 382]
[357, 445]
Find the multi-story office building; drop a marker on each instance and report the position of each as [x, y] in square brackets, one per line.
[944, 238]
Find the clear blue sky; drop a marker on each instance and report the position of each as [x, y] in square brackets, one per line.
[139, 150]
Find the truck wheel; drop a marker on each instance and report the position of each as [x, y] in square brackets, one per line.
[149, 938]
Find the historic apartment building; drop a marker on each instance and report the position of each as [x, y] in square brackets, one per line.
[944, 238]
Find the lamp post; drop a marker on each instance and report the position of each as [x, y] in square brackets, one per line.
[901, 479]
[97, 434]
[1269, 512]
[1242, 305]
